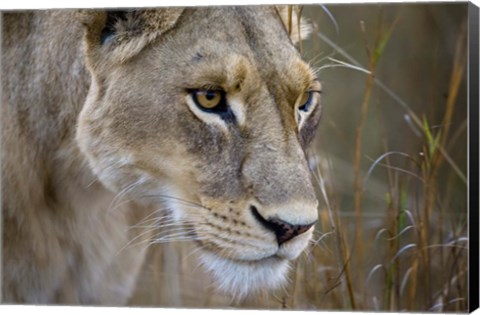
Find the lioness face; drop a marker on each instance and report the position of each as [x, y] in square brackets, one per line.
[210, 120]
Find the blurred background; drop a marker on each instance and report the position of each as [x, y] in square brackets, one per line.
[390, 167]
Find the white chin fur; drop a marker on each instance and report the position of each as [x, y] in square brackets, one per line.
[242, 278]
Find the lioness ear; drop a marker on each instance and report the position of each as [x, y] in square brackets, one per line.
[120, 35]
[297, 27]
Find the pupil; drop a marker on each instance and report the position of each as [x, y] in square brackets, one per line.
[210, 96]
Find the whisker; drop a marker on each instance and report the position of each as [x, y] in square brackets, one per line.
[132, 240]
[155, 239]
[184, 201]
[167, 217]
[163, 219]
[194, 251]
[123, 192]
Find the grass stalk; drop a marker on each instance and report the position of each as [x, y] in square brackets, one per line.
[373, 55]
[435, 155]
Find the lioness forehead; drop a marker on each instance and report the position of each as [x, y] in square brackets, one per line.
[253, 42]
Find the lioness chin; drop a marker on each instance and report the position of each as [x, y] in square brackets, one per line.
[114, 118]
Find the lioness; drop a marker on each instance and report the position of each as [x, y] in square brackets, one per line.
[113, 117]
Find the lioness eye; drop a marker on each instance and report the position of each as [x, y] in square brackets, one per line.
[305, 101]
[306, 104]
[209, 100]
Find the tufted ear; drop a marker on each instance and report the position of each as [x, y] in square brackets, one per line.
[116, 36]
[297, 27]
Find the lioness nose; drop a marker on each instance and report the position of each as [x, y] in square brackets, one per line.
[283, 230]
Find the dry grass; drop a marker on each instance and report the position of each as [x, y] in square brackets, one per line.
[389, 165]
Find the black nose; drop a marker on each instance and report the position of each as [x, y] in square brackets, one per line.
[283, 230]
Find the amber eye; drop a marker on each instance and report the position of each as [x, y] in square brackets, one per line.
[209, 100]
[305, 101]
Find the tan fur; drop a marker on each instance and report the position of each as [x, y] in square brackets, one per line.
[97, 135]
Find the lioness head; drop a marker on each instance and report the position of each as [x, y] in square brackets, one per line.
[207, 112]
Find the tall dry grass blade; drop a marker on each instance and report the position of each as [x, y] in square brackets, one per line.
[372, 271]
[403, 231]
[331, 17]
[350, 66]
[402, 250]
[299, 27]
[358, 189]
[378, 47]
[394, 168]
[383, 156]
[406, 276]
[290, 20]
[436, 157]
